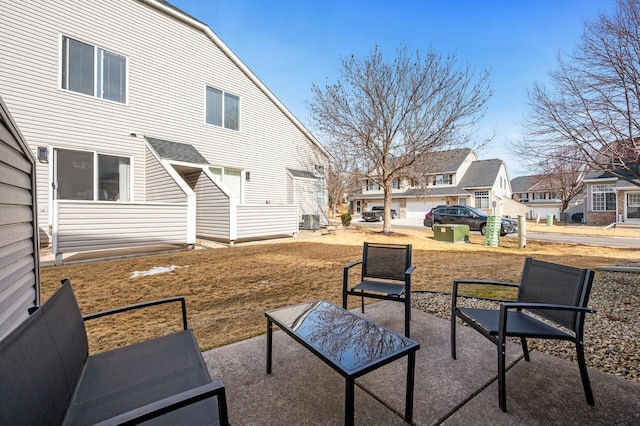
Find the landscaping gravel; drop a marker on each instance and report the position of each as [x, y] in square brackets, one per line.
[612, 334]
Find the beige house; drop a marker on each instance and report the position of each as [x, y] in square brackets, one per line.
[148, 129]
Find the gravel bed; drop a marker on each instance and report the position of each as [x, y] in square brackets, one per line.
[612, 334]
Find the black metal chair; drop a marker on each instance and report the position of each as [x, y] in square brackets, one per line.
[386, 274]
[556, 294]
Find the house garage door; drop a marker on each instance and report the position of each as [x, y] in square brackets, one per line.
[543, 212]
[416, 209]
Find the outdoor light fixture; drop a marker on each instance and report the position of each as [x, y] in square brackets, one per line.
[43, 154]
[247, 176]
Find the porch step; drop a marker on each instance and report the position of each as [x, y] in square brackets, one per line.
[627, 225]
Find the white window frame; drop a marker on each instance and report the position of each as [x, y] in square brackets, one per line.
[223, 96]
[480, 198]
[222, 180]
[98, 74]
[601, 190]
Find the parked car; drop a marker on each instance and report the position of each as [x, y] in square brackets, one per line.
[376, 214]
[464, 215]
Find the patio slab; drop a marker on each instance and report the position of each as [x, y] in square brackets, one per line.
[302, 390]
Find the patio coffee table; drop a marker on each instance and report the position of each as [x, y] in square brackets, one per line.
[348, 343]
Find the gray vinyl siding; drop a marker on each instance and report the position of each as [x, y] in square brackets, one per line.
[85, 226]
[19, 288]
[267, 220]
[159, 185]
[166, 95]
[212, 210]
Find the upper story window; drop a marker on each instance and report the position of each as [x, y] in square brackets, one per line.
[93, 71]
[222, 109]
[372, 186]
[395, 184]
[603, 197]
[443, 180]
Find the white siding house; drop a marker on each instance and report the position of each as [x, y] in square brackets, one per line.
[92, 85]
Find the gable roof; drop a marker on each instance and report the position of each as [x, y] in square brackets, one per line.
[175, 151]
[445, 161]
[301, 174]
[523, 183]
[169, 9]
[481, 173]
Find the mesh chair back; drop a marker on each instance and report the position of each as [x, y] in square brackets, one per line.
[386, 261]
[544, 282]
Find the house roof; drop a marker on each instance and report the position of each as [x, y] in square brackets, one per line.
[175, 151]
[523, 183]
[301, 174]
[481, 173]
[446, 161]
[175, 12]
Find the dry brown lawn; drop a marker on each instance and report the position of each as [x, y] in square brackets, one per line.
[228, 289]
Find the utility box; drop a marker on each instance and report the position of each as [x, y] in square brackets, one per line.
[451, 233]
[311, 221]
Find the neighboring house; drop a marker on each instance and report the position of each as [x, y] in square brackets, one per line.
[19, 264]
[148, 129]
[611, 199]
[542, 198]
[454, 177]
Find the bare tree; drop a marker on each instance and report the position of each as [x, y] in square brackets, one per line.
[386, 117]
[593, 106]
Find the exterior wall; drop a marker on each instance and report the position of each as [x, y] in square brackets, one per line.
[159, 185]
[170, 63]
[262, 220]
[213, 209]
[19, 276]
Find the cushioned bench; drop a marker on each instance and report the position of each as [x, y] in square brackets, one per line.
[49, 378]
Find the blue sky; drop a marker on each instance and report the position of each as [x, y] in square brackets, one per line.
[290, 45]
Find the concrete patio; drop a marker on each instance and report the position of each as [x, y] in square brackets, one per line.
[302, 390]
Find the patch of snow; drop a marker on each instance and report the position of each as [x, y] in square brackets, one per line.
[155, 270]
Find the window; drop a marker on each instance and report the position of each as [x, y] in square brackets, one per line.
[603, 198]
[633, 205]
[482, 199]
[372, 186]
[93, 71]
[395, 184]
[443, 180]
[222, 109]
[76, 178]
[231, 178]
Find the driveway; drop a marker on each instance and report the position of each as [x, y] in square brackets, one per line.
[600, 241]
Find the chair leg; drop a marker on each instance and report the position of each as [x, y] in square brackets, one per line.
[502, 391]
[525, 349]
[453, 335]
[362, 301]
[407, 318]
[586, 384]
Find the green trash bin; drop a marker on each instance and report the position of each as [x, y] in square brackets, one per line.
[550, 220]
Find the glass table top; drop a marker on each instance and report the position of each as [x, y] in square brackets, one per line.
[347, 340]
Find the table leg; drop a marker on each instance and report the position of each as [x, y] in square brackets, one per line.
[269, 344]
[411, 369]
[349, 402]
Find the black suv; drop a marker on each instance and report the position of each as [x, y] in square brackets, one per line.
[464, 215]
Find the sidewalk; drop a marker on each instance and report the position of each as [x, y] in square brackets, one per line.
[303, 390]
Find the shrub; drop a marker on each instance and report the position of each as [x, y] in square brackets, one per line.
[346, 219]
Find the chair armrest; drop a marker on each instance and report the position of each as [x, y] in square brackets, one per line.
[142, 305]
[352, 264]
[526, 305]
[410, 270]
[172, 403]
[454, 292]
[345, 273]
